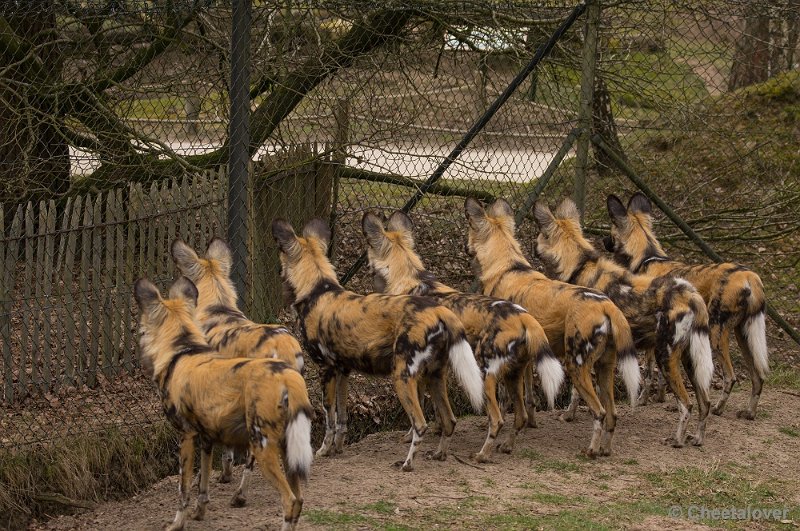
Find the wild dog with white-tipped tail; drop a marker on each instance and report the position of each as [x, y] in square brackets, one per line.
[505, 338]
[226, 328]
[665, 314]
[409, 338]
[586, 331]
[734, 294]
[257, 404]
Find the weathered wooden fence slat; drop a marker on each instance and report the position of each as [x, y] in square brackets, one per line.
[83, 293]
[27, 305]
[107, 330]
[96, 291]
[72, 219]
[51, 363]
[120, 293]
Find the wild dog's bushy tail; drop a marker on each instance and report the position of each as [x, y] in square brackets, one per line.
[551, 373]
[627, 362]
[699, 343]
[463, 361]
[754, 326]
[299, 414]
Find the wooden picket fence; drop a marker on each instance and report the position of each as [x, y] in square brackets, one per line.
[66, 273]
[66, 270]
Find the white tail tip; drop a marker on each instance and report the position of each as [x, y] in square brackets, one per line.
[299, 453]
[700, 351]
[755, 330]
[551, 374]
[629, 369]
[467, 373]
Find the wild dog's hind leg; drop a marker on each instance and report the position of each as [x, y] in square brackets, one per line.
[437, 386]
[644, 396]
[240, 496]
[406, 388]
[582, 381]
[574, 401]
[703, 403]
[495, 417]
[205, 473]
[515, 386]
[755, 377]
[669, 365]
[328, 380]
[604, 369]
[186, 461]
[341, 412]
[268, 459]
[720, 345]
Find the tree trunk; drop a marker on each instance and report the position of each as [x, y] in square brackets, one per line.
[34, 155]
[603, 124]
[752, 55]
[792, 32]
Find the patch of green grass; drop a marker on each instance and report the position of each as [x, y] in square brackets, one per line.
[631, 462]
[335, 519]
[381, 507]
[791, 431]
[551, 498]
[784, 375]
[541, 463]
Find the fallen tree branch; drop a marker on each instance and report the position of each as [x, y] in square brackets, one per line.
[349, 172]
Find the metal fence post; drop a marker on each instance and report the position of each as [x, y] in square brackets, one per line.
[239, 135]
[589, 62]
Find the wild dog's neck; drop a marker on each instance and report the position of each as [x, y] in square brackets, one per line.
[503, 259]
[215, 292]
[163, 351]
[311, 280]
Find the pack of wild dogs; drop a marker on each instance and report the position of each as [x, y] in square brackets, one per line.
[226, 380]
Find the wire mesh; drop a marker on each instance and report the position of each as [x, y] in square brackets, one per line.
[116, 134]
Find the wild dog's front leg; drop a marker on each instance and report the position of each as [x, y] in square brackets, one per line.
[205, 473]
[341, 412]
[530, 393]
[328, 381]
[239, 498]
[495, 417]
[227, 466]
[406, 388]
[515, 385]
[720, 345]
[572, 409]
[186, 462]
[437, 386]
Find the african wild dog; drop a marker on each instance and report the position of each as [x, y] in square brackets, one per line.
[584, 328]
[734, 294]
[665, 313]
[226, 328]
[410, 338]
[504, 337]
[241, 403]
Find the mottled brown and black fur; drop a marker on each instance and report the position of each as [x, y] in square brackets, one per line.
[584, 328]
[226, 328]
[408, 338]
[734, 294]
[244, 403]
[505, 338]
[665, 314]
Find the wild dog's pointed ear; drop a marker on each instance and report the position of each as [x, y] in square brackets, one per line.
[568, 210]
[500, 208]
[639, 203]
[319, 230]
[399, 221]
[543, 217]
[183, 288]
[372, 227]
[616, 210]
[183, 256]
[474, 210]
[218, 250]
[284, 236]
[146, 295]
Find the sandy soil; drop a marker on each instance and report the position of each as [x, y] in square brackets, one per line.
[545, 482]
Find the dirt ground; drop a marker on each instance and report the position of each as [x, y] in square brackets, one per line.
[546, 482]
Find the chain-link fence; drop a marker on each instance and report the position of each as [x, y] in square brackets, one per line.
[127, 123]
